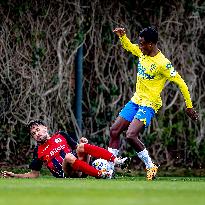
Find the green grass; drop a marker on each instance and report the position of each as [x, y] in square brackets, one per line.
[120, 191]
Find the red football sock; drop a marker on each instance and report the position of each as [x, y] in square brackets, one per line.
[98, 152]
[82, 166]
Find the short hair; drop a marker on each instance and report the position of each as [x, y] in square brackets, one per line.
[34, 122]
[149, 34]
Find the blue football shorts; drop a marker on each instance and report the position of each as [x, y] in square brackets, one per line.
[142, 113]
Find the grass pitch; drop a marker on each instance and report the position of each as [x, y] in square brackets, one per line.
[120, 191]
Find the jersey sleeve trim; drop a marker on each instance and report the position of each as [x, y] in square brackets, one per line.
[127, 45]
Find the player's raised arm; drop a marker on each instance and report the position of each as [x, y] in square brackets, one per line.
[31, 174]
[126, 43]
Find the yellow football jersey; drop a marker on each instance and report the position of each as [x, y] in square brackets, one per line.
[152, 74]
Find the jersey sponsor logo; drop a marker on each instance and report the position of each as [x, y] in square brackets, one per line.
[56, 150]
[141, 72]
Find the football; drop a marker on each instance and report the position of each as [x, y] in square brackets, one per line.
[101, 164]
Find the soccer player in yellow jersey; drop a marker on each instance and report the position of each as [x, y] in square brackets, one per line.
[154, 69]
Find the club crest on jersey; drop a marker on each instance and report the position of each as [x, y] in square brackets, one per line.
[58, 140]
[153, 66]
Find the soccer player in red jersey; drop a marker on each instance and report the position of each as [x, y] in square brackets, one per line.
[57, 153]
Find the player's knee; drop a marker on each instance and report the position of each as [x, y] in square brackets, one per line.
[70, 158]
[131, 135]
[114, 133]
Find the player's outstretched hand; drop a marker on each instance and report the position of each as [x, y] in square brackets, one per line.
[192, 114]
[119, 31]
[6, 174]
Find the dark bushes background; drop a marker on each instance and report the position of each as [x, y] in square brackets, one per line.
[38, 44]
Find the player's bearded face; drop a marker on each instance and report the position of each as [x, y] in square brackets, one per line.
[39, 133]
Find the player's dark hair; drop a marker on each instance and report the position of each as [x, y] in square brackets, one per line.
[34, 122]
[149, 34]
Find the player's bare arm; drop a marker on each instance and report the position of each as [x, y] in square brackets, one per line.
[32, 174]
